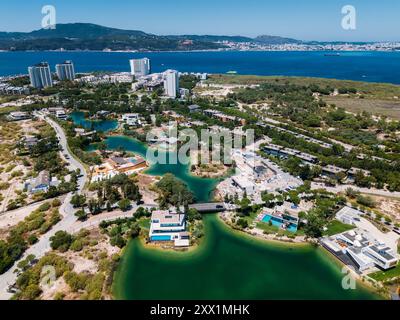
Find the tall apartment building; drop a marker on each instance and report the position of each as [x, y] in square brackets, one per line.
[171, 83]
[65, 71]
[40, 75]
[140, 67]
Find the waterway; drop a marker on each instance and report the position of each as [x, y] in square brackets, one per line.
[99, 125]
[226, 265]
[201, 187]
[234, 266]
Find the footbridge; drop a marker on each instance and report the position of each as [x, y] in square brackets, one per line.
[212, 207]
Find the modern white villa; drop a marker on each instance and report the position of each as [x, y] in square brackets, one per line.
[169, 226]
[131, 119]
[364, 251]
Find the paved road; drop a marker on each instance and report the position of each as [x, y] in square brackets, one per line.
[342, 188]
[94, 221]
[66, 210]
[20, 213]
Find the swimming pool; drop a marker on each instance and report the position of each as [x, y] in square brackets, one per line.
[160, 238]
[278, 223]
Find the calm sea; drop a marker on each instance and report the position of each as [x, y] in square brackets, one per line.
[363, 66]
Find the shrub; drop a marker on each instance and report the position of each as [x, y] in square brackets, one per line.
[32, 239]
[44, 207]
[61, 241]
[77, 245]
[56, 203]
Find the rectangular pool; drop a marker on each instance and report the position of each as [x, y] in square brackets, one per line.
[160, 238]
[278, 223]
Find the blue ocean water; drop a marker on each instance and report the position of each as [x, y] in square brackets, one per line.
[362, 66]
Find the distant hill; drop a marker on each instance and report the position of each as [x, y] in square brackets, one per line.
[213, 38]
[265, 39]
[87, 36]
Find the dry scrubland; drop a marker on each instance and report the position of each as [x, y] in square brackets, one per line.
[375, 98]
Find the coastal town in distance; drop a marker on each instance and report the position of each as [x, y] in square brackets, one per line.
[171, 169]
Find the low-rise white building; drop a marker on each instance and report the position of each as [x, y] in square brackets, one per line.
[365, 252]
[131, 119]
[169, 226]
[18, 116]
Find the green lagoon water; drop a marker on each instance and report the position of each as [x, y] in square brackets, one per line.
[202, 188]
[227, 265]
[99, 125]
[234, 266]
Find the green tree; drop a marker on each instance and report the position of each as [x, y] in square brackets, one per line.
[78, 200]
[314, 226]
[81, 215]
[242, 223]
[124, 204]
[173, 191]
[61, 241]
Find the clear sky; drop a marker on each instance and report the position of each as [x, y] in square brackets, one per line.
[377, 20]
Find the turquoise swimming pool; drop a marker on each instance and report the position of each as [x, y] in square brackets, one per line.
[278, 223]
[160, 238]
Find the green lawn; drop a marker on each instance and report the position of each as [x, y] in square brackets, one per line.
[275, 230]
[251, 217]
[386, 275]
[144, 223]
[335, 227]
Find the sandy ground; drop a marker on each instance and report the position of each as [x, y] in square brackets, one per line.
[145, 182]
[23, 129]
[83, 261]
[11, 218]
[388, 206]
[212, 171]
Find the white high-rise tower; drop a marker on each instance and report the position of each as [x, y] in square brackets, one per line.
[40, 75]
[171, 83]
[140, 67]
[65, 71]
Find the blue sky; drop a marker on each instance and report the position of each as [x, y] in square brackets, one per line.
[377, 20]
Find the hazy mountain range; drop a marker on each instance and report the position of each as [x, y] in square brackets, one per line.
[86, 36]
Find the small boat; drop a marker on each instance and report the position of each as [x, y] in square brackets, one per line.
[336, 54]
[231, 72]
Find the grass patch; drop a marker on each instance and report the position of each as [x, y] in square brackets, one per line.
[335, 227]
[390, 108]
[386, 275]
[144, 223]
[270, 229]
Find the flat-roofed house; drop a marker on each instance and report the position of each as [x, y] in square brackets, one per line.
[102, 172]
[332, 171]
[169, 226]
[383, 256]
[361, 250]
[29, 142]
[18, 116]
[39, 184]
[244, 184]
[131, 119]
[194, 108]
[127, 165]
